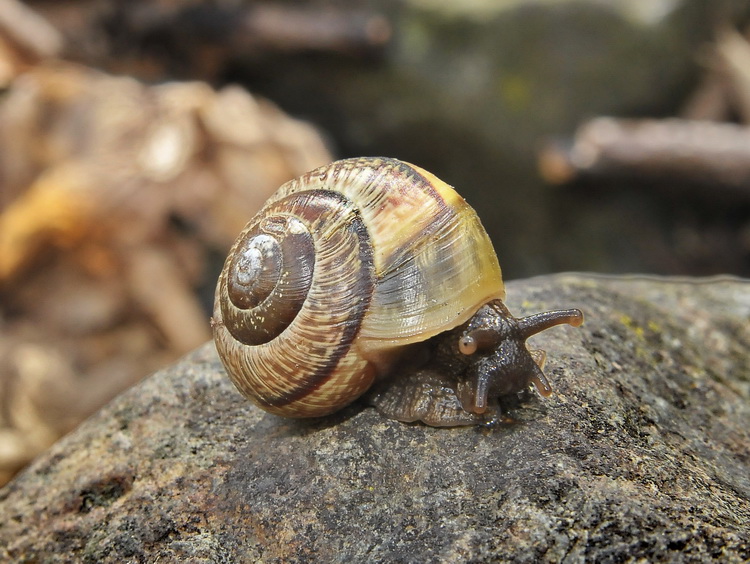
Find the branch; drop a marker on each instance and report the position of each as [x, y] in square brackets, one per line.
[697, 151]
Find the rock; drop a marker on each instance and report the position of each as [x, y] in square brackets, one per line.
[643, 454]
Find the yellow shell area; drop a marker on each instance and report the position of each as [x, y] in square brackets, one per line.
[434, 262]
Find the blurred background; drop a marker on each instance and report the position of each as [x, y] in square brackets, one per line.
[137, 137]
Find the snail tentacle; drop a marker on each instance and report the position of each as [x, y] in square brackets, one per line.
[538, 322]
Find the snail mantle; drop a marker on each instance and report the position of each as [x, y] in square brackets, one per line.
[640, 454]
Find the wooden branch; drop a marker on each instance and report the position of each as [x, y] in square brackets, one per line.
[263, 27]
[696, 151]
[298, 28]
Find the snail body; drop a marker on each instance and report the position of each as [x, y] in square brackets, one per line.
[348, 267]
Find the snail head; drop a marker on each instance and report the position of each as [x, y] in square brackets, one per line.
[493, 343]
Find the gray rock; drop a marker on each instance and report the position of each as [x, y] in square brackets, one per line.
[643, 454]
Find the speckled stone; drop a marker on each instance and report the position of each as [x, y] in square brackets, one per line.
[643, 454]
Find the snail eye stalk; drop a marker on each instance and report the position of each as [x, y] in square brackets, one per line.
[539, 322]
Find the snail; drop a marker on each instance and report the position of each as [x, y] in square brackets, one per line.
[373, 271]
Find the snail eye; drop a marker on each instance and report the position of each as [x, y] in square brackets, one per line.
[467, 345]
[481, 339]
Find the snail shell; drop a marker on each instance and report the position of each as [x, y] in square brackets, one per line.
[340, 270]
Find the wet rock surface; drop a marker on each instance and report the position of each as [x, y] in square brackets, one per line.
[642, 453]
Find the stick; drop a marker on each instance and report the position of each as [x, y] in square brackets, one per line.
[698, 151]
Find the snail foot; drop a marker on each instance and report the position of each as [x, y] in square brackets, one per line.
[428, 396]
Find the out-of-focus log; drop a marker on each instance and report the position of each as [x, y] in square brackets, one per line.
[696, 151]
[197, 38]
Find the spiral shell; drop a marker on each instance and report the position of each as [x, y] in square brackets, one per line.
[340, 270]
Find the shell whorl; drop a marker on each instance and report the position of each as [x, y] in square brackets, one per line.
[291, 298]
[268, 278]
[343, 266]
